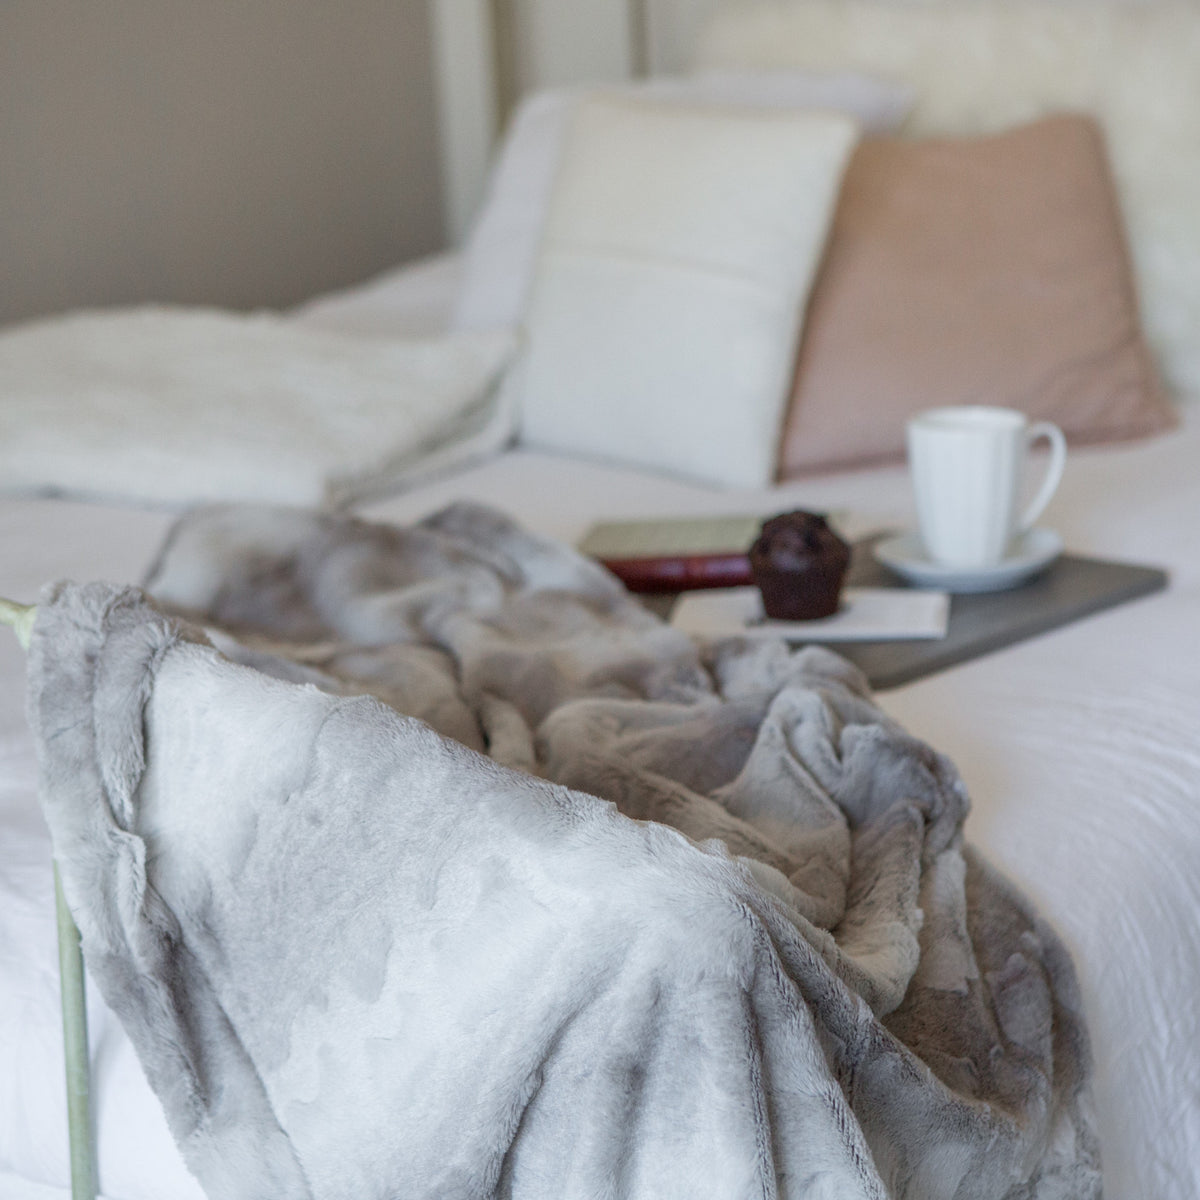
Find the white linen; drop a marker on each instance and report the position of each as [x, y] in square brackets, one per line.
[175, 406]
[501, 250]
[679, 251]
[1078, 748]
[866, 614]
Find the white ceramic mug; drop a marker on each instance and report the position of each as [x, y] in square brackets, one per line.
[967, 466]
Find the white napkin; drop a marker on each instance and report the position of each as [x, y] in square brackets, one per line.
[866, 615]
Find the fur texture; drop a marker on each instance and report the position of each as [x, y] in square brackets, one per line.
[702, 925]
[175, 406]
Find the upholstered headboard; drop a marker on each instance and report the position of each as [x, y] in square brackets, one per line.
[976, 65]
[983, 65]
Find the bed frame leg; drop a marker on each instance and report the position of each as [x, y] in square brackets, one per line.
[74, 999]
[75, 1046]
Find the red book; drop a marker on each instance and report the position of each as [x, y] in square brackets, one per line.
[681, 573]
[675, 554]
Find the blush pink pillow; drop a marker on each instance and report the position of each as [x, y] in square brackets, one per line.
[984, 270]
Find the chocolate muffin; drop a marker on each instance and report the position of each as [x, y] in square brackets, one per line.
[799, 564]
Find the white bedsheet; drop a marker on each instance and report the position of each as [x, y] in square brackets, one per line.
[1080, 749]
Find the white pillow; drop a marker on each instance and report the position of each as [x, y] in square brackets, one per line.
[500, 253]
[679, 252]
[177, 406]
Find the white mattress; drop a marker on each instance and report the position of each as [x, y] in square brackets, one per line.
[1079, 748]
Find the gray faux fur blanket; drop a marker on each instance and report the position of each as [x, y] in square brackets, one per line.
[581, 910]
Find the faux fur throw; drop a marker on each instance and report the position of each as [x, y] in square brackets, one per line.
[602, 914]
[175, 406]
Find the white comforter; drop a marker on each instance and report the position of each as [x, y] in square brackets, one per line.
[1079, 748]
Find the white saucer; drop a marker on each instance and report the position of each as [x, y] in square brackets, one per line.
[1033, 552]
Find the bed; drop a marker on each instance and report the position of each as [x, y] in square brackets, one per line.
[1078, 747]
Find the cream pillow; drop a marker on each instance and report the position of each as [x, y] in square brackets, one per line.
[501, 253]
[679, 251]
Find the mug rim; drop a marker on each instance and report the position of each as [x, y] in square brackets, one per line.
[969, 418]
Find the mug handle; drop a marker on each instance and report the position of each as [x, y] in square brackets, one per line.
[1054, 470]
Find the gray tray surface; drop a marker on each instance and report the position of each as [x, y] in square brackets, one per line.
[1073, 587]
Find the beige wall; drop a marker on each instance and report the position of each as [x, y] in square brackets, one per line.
[231, 152]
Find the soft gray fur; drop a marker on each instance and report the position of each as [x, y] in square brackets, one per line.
[701, 926]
